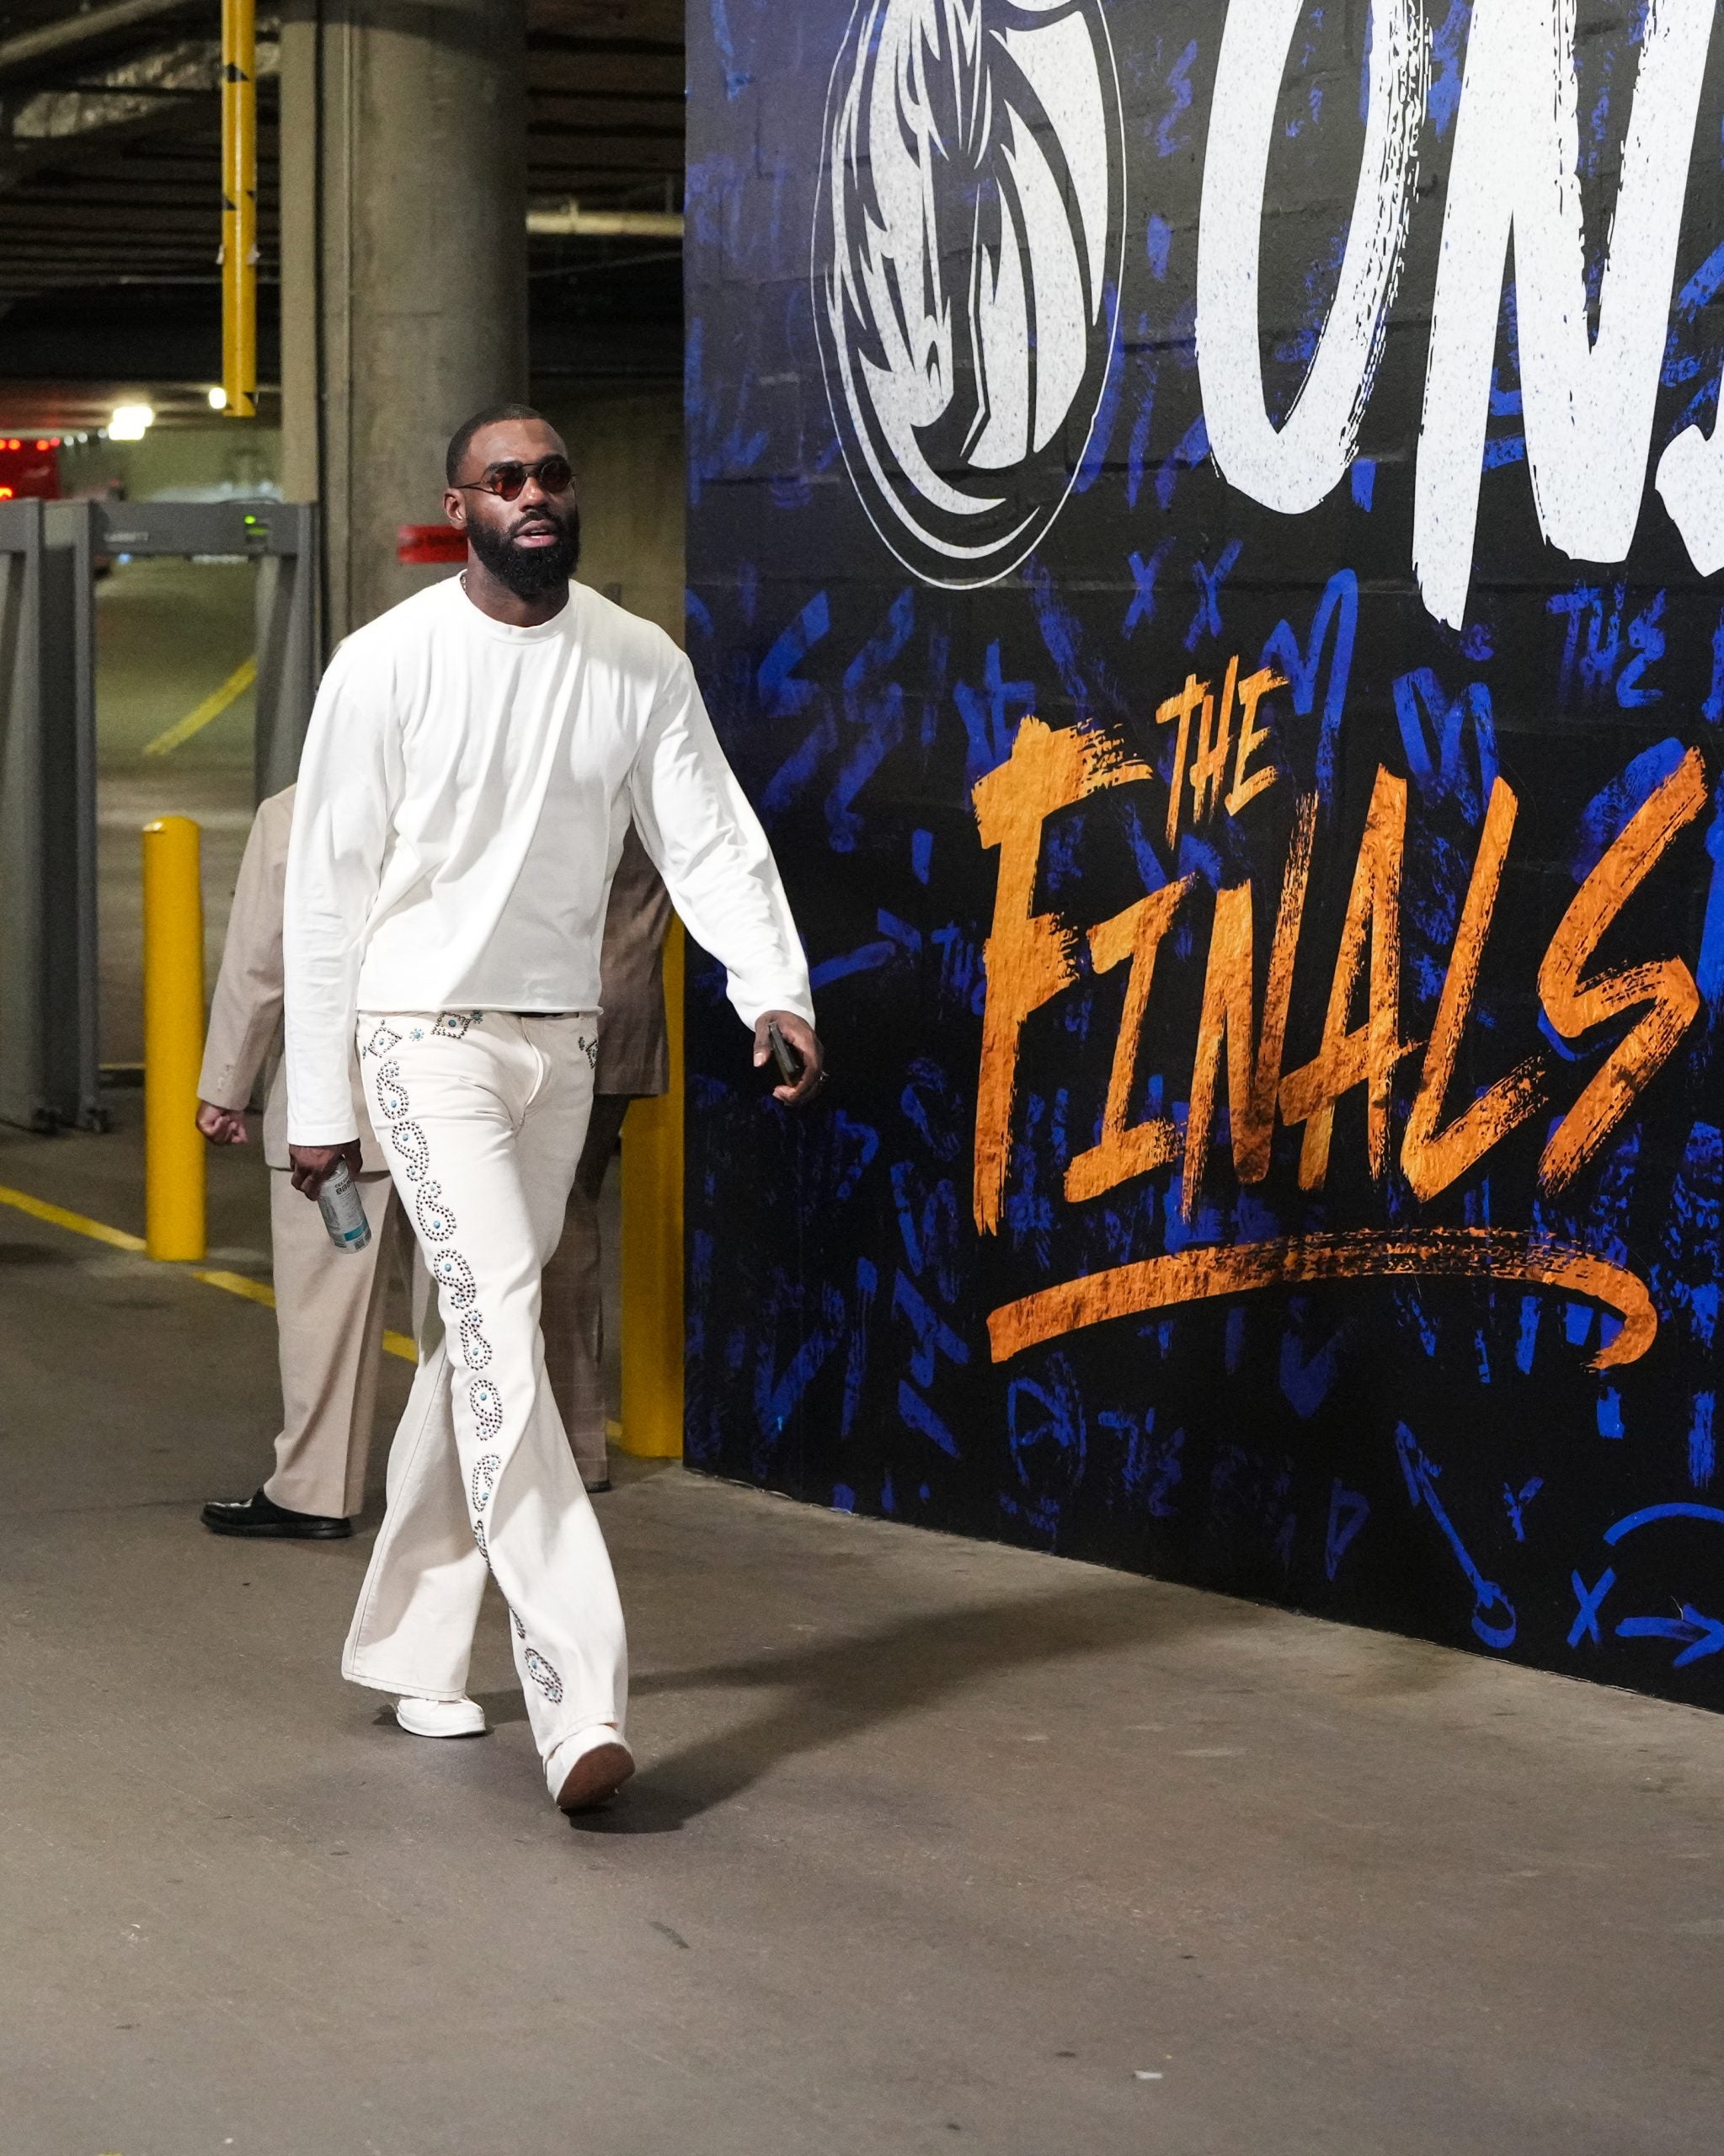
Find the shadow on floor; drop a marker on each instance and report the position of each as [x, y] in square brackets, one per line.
[834, 1691]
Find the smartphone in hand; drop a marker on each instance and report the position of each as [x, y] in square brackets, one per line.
[784, 1055]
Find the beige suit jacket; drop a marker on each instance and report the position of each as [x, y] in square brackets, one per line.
[634, 1054]
[245, 1014]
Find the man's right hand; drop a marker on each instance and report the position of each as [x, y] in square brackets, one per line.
[221, 1126]
[311, 1164]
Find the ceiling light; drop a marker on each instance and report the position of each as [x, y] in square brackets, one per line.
[129, 422]
[218, 398]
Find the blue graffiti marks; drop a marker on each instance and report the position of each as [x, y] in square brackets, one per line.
[1702, 1445]
[1685, 1276]
[1171, 137]
[714, 451]
[1208, 580]
[1084, 680]
[929, 1231]
[1094, 460]
[1606, 815]
[1699, 1635]
[780, 691]
[918, 1416]
[1150, 1468]
[935, 1110]
[991, 715]
[1527, 1341]
[1448, 52]
[784, 693]
[1588, 1600]
[1048, 1442]
[1143, 577]
[933, 1336]
[1515, 1503]
[1709, 967]
[1712, 710]
[856, 1360]
[928, 1228]
[876, 708]
[1348, 1510]
[737, 78]
[1447, 774]
[777, 1392]
[1493, 1618]
[1702, 1636]
[1306, 1380]
[866, 958]
[1612, 661]
[1680, 1508]
[1192, 448]
[1337, 615]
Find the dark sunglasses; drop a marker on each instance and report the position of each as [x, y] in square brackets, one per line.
[555, 475]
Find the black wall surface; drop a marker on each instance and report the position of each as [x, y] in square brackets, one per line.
[1463, 1389]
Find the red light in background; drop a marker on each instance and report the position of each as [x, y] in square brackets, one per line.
[43, 443]
[5, 494]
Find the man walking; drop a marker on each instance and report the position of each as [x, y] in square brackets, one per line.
[329, 1303]
[474, 757]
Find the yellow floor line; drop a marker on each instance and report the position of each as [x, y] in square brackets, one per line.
[79, 1223]
[231, 1283]
[212, 706]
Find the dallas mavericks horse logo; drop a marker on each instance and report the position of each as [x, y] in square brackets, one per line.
[966, 268]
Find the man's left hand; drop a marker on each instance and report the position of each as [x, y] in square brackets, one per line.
[802, 1036]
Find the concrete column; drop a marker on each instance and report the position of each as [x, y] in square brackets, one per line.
[403, 270]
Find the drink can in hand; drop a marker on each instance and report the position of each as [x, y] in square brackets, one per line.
[344, 1215]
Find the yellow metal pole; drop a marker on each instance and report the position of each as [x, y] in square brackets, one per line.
[239, 208]
[651, 1249]
[173, 1038]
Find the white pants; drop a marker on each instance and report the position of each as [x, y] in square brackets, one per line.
[483, 1116]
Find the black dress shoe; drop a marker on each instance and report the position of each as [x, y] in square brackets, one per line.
[259, 1515]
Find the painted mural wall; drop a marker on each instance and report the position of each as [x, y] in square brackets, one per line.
[1204, 546]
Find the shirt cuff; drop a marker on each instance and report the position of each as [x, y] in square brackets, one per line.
[323, 1134]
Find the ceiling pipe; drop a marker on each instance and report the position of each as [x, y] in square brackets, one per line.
[29, 46]
[568, 221]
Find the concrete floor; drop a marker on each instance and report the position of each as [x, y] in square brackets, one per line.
[933, 1844]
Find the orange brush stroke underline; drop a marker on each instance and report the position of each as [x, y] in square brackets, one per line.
[1191, 1276]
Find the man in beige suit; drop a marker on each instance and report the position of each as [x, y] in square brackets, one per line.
[328, 1303]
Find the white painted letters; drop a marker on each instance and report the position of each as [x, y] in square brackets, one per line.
[1293, 467]
[1588, 405]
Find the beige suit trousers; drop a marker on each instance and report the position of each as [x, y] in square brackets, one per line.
[329, 1334]
[573, 1310]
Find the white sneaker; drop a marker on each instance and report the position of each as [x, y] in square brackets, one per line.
[441, 1717]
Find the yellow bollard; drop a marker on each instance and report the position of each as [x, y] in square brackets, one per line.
[173, 1038]
[651, 1249]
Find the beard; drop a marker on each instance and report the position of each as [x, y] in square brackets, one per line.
[530, 572]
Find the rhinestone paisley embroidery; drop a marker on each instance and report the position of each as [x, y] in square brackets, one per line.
[452, 1271]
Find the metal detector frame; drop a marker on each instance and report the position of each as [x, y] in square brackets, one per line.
[50, 1047]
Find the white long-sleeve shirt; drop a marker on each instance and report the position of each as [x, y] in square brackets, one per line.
[463, 796]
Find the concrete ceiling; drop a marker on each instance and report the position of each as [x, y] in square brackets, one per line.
[110, 194]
